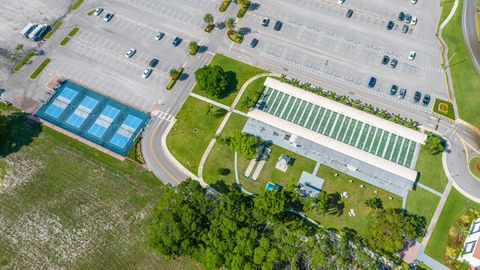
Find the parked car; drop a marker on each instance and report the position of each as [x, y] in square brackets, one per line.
[414, 21]
[402, 94]
[254, 43]
[417, 96]
[393, 63]
[408, 18]
[130, 53]
[405, 29]
[147, 73]
[385, 59]
[426, 100]
[177, 41]
[159, 35]
[411, 55]
[401, 16]
[341, 1]
[413, 2]
[393, 90]
[108, 17]
[372, 82]
[153, 63]
[349, 13]
[98, 11]
[278, 26]
[390, 25]
[265, 21]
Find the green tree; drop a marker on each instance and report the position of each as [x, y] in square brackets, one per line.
[230, 24]
[193, 47]
[434, 144]
[243, 143]
[374, 203]
[208, 19]
[174, 73]
[213, 80]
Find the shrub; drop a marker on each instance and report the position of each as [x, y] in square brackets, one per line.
[174, 76]
[76, 4]
[90, 13]
[193, 47]
[64, 41]
[244, 5]
[434, 144]
[73, 31]
[55, 26]
[40, 68]
[224, 5]
[243, 143]
[23, 61]
[235, 36]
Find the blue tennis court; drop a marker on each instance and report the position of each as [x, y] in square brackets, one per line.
[94, 117]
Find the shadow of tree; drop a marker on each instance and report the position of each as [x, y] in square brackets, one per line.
[334, 203]
[183, 77]
[244, 31]
[254, 6]
[202, 49]
[231, 86]
[221, 186]
[16, 131]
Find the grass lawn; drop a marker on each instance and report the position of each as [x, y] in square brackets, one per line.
[237, 71]
[251, 94]
[222, 157]
[464, 74]
[270, 174]
[430, 169]
[444, 108]
[422, 202]
[455, 206]
[193, 131]
[474, 166]
[355, 200]
[67, 205]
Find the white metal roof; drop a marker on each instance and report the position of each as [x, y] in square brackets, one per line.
[341, 147]
[356, 114]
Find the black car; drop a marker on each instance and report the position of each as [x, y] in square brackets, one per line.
[385, 59]
[390, 25]
[401, 16]
[417, 96]
[372, 82]
[426, 100]
[254, 43]
[405, 29]
[393, 90]
[265, 21]
[278, 26]
[402, 94]
[176, 41]
[408, 18]
[349, 13]
[394, 63]
[153, 63]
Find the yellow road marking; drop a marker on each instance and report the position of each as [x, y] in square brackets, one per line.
[155, 155]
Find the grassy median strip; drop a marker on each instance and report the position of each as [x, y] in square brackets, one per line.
[40, 68]
[73, 31]
[70, 34]
[76, 4]
[464, 74]
[444, 108]
[22, 61]
[55, 26]
[224, 5]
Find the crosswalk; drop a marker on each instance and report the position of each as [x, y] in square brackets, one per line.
[163, 115]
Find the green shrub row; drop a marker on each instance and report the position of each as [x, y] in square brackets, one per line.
[235, 36]
[172, 81]
[75, 5]
[224, 5]
[40, 68]
[243, 9]
[73, 31]
[357, 104]
[90, 13]
[64, 41]
[22, 61]
[55, 26]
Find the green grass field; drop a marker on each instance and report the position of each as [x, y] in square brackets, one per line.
[431, 171]
[356, 198]
[444, 108]
[67, 205]
[237, 71]
[464, 74]
[270, 174]
[193, 131]
[474, 166]
[454, 207]
[251, 95]
[222, 157]
[422, 202]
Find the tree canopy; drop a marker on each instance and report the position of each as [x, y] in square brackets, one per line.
[212, 79]
[243, 143]
[434, 144]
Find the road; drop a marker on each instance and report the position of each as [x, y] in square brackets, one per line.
[469, 14]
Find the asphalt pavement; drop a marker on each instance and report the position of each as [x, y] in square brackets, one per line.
[469, 27]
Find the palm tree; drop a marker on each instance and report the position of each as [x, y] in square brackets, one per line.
[208, 19]
[230, 24]
[193, 46]
[174, 73]
[383, 113]
[19, 47]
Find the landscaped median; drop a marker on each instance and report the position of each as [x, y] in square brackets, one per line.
[474, 166]
[70, 34]
[76, 5]
[224, 5]
[40, 68]
[55, 26]
[444, 108]
[244, 5]
[23, 61]
[174, 76]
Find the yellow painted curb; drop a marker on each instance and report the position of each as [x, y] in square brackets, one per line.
[470, 171]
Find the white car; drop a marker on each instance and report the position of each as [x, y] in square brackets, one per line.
[147, 73]
[159, 35]
[108, 17]
[98, 11]
[413, 2]
[130, 53]
[414, 21]
[411, 55]
[341, 1]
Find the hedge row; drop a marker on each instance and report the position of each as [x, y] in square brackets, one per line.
[40, 68]
[22, 61]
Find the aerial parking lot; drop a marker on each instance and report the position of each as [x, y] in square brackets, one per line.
[317, 38]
